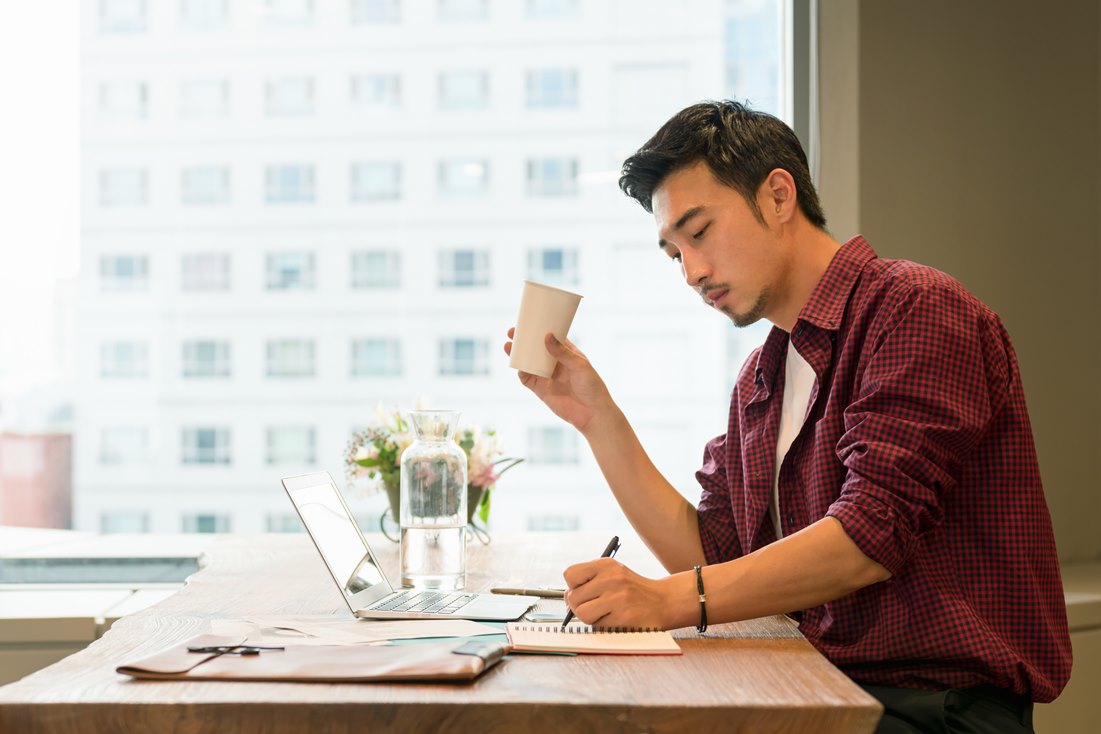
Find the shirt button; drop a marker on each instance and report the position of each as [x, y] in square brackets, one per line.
[791, 519]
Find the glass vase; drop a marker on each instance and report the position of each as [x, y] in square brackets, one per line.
[433, 504]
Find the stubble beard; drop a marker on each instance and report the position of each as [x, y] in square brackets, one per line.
[753, 315]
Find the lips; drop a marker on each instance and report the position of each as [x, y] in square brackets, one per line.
[713, 297]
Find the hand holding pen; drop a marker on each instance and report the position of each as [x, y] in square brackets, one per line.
[613, 546]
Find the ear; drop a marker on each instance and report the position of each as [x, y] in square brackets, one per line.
[778, 196]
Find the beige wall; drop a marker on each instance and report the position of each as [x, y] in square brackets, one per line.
[967, 135]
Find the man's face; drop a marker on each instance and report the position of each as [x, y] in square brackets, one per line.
[727, 255]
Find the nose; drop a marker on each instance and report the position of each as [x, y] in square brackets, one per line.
[695, 268]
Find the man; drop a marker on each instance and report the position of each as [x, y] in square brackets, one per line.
[877, 478]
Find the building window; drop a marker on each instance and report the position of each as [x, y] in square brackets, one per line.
[553, 523]
[553, 265]
[123, 272]
[463, 177]
[464, 269]
[288, 184]
[123, 187]
[464, 357]
[376, 92]
[205, 271]
[551, 9]
[122, 16]
[123, 100]
[291, 271]
[290, 97]
[292, 445]
[123, 359]
[552, 445]
[376, 181]
[204, 98]
[375, 12]
[462, 10]
[463, 89]
[204, 185]
[204, 446]
[203, 15]
[376, 269]
[205, 523]
[552, 177]
[287, 13]
[124, 521]
[206, 358]
[123, 445]
[290, 358]
[376, 357]
[552, 88]
[284, 522]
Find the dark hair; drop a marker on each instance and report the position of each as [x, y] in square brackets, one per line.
[741, 147]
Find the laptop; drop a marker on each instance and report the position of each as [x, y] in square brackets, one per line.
[357, 574]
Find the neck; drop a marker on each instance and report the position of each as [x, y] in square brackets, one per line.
[810, 251]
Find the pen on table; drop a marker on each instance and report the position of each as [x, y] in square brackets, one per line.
[543, 593]
[613, 546]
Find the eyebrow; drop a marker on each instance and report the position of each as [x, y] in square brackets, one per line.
[683, 221]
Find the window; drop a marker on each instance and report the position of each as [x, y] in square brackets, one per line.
[205, 523]
[123, 445]
[376, 181]
[284, 522]
[290, 97]
[463, 177]
[552, 177]
[553, 266]
[204, 445]
[292, 445]
[204, 98]
[376, 269]
[204, 271]
[206, 358]
[203, 15]
[376, 12]
[464, 357]
[552, 445]
[288, 184]
[463, 89]
[122, 187]
[462, 10]
[122, 16]
[123, 100]
[201, 185]
[290, 358]
[553, 523]
[376, 92]
[376, 357]
[551, 9]
[291, 271]
[123, 360]
[464, 269]
[287, 13]
[123, 272]
[552, 88]
[124, 521]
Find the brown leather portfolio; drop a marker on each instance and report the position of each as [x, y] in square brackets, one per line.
[214, 657]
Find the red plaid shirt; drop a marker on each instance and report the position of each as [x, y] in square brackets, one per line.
[917, 440]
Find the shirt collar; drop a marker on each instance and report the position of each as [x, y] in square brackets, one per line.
[826, 304]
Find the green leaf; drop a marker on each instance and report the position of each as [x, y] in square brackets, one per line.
[368, 462]
[483, 508]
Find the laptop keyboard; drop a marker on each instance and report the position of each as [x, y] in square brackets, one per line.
[424, 602]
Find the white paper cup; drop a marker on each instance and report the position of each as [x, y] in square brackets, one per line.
[543, 308]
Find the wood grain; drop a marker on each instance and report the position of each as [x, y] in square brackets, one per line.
[753, 676]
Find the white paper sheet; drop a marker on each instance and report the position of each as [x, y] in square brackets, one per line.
[325, 630]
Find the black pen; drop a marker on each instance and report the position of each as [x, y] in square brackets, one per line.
[613, 546]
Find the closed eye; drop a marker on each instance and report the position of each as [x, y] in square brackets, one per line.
[699, 234]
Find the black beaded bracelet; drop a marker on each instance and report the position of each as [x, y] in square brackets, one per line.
[702, 626]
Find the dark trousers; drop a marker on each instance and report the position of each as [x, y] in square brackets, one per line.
[973, 710]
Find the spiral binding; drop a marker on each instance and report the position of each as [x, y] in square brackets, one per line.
[583, 629]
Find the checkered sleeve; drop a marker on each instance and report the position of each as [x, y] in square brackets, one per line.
[937, 374]
[718, 533]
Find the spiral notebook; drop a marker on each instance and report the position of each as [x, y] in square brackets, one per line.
[583, 639]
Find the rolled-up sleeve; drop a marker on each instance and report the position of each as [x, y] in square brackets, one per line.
[937, 374]
[718, 532]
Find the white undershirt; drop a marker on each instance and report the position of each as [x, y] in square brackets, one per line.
[798, 381]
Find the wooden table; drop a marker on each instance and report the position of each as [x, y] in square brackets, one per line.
[755, 676]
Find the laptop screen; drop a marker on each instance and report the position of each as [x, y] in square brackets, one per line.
[337, 537]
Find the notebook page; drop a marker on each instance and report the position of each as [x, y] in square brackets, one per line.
[583, 639]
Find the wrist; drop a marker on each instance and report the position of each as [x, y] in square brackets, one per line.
[682, 608]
